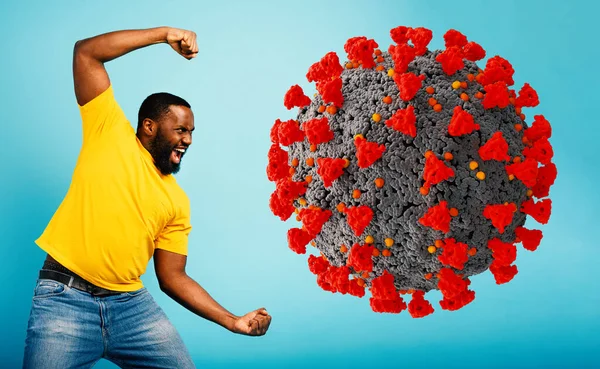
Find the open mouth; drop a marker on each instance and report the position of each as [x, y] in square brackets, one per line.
[177, 154]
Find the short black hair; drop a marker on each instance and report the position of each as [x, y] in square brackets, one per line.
[157, 105]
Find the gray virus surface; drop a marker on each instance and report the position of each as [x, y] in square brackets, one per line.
[399, 204]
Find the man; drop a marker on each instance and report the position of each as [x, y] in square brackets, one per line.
[123, 207]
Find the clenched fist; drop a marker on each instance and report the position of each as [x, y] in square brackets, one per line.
[255, 323]
[184, 42]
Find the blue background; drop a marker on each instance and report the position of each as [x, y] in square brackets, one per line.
[250, 54]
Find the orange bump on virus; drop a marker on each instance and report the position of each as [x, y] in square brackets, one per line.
[431, 163]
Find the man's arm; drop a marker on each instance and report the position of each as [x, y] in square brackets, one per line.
[89, 55]
[173, 280]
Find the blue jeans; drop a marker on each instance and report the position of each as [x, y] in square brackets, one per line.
[69, 328]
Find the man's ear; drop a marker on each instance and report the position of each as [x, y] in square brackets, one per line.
[149, 127]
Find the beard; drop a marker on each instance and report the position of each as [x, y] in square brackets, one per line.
[161, 150]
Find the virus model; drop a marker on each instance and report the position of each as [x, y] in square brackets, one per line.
[411, 170]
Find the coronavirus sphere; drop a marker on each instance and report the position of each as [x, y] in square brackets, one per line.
[411, 170]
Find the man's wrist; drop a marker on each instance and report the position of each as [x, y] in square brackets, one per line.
[171, 34]
[229, 322]
[163, 34]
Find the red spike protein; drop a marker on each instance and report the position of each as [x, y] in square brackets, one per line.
[411, 170]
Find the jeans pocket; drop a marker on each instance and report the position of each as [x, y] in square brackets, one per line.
[48, 288]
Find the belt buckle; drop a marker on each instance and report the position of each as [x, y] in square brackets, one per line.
[94, 290]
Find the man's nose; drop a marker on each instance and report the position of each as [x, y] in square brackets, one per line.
[187, 139]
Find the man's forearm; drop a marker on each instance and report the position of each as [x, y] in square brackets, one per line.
[112, 45]
[193, 297]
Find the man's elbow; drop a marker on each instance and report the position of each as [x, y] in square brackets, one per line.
[81, 48]
[164, 286]
[171, 282]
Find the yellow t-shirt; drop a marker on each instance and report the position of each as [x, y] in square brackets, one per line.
[119, 207]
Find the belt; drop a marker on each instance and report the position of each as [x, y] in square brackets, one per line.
[70, 279]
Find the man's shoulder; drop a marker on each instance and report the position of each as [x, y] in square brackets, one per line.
[103, 116]
[177, 192]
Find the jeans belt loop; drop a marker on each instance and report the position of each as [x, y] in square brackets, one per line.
[71, 281]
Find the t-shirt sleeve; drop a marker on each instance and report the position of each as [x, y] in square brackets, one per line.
[174, 237]
[101, 115]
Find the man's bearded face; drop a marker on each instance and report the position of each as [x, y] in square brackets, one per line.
[167, 155]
